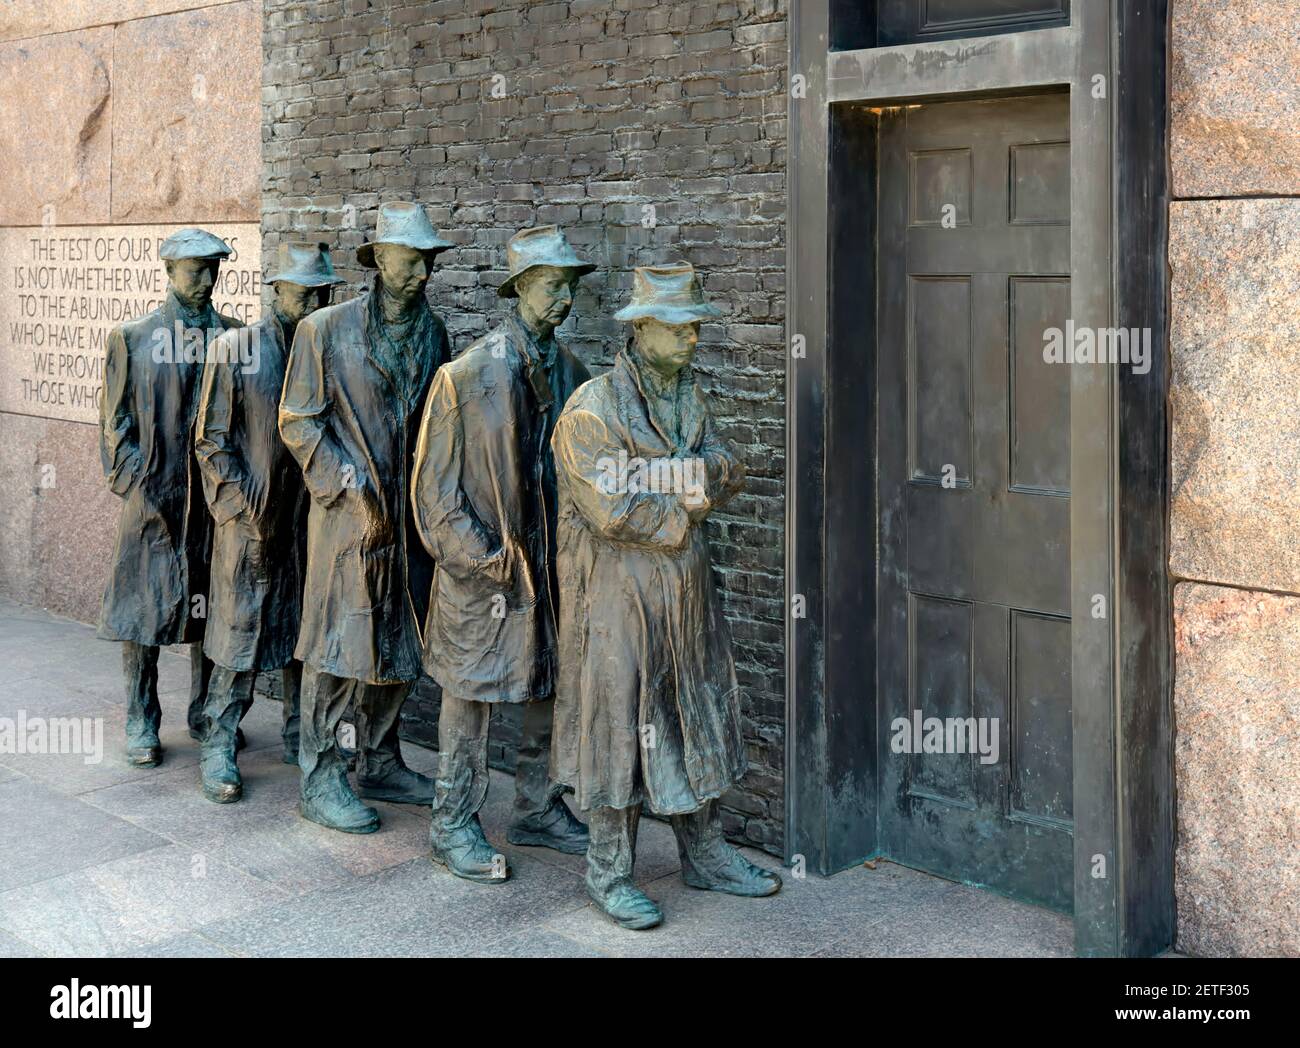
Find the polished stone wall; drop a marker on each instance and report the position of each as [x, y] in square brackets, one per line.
[122, 121]
[1235, 431]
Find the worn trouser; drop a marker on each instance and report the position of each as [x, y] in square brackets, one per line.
[324, 701]
[230, 697]
[462, 783]
[612, 852]
[291, 692]
[143, 713]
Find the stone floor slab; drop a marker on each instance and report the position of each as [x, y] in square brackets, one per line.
[47, 834]
[412, 910]
[124, 906]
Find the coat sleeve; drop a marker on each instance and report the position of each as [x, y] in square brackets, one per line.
[220, 463]
[304, 412]
[444, 518]
[119, 442]
[587, 458]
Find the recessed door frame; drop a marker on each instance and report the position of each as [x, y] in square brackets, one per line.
[1112, 60]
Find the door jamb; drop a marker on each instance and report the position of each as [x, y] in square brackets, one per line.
[1121, 664]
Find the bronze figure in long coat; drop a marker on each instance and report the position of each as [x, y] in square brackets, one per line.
[158, 580]
[255, 492]
[357, 380]
[484, 499]
[648, 707]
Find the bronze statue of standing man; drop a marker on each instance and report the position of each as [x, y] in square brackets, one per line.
[485, 503]
[648, 707]
[357, 380]
[158, 581]
[255, 492]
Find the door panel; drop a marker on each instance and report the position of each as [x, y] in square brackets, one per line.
[974, 494]
[910, 21]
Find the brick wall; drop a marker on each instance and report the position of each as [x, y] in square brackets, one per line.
[651, 131]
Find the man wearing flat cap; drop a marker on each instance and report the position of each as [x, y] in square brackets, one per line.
[158, 581]
[356, 383]
[484, 499]
[255, 492]
[647, 707]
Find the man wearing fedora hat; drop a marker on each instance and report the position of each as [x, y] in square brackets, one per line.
[484, 499]
[159, 575]
[357, 380]
[255, 493]
[647, 705]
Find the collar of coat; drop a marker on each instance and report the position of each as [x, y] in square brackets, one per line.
[631, 393]
[176, 313]
[538, 360]
[420, 337]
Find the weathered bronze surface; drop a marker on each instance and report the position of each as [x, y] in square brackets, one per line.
[255, 492]
[158, 581]
[484, 498]
[356, 383]
[647, 704]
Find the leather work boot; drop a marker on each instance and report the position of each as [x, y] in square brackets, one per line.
[382, 775]
[627, 906]
[466, 853]
[711, 864]
[736, 876]
[327, 799]
[389, 779]
[221, 781]
[556, 828]
[144, 754]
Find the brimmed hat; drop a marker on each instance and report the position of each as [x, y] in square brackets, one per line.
[405, 224]
[193, 243]
[669, 293]
[539, 246]
[305, 264]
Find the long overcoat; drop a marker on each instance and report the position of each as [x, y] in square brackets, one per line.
[647, 704]
[480, 500]
[152, 372]
[255, 493]
[343, 419]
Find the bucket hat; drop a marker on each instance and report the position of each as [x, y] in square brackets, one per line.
[305, 264]
[539, 246]
[669, 293]
[405, 224]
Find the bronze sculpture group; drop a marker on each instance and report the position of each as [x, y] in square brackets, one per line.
[305, 514]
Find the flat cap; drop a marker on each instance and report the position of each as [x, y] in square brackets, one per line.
[193, 243]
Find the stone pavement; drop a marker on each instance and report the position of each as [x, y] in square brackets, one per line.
[100, 859]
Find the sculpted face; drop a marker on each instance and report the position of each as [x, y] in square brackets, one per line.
[666, 348]
[404, 271]
[293, 301]
[193, 280]
[546, 296]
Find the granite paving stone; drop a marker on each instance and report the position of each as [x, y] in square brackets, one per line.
[47, 834]
[415, 909]
[127, 904]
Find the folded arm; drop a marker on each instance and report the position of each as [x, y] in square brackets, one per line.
[587, 458]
